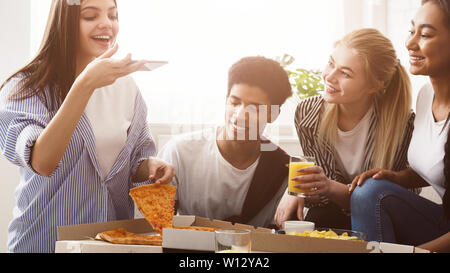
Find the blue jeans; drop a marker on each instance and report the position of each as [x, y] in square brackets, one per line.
[387, 212]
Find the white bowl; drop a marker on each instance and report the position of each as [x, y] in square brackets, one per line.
[292, 227]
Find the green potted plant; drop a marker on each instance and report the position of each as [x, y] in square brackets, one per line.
[305, 83]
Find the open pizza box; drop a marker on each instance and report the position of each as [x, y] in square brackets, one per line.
[80, 238]
[280, 243]
[297, 244]
[262, 240]
[180, 240]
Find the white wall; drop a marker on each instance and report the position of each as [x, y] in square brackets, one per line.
[393, 19]
[14, 52]
[399, 16]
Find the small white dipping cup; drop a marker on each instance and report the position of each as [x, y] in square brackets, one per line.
[292, 227]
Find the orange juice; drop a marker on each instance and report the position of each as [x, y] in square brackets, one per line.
[293, 167]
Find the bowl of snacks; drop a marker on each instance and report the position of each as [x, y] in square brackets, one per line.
[331, 233]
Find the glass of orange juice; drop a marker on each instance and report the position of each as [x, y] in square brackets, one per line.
[296, 163]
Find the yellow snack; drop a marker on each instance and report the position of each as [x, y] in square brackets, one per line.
[330, 234]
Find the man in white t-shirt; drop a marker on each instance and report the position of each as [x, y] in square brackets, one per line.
[230, 172]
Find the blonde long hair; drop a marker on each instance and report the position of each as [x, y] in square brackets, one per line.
[393, 101]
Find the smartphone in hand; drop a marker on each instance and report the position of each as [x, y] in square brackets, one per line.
[152, 65]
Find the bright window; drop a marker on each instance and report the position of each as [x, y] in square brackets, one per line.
[201, 39]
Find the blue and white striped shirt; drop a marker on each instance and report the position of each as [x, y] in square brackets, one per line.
[75, 193]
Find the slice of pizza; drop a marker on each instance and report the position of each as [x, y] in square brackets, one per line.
[210, 229]
[156, 203]
[121, 236]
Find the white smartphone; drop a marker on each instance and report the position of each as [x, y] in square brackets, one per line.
[152, 65]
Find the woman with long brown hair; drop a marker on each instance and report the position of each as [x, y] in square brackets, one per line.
[75, 124]
[380, 205]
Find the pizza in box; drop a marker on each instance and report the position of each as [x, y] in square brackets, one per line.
[156, 203]
[121, 236]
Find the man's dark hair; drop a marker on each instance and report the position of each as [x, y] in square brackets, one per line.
[264, 73]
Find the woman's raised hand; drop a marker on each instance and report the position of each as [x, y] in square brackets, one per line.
[104, 70]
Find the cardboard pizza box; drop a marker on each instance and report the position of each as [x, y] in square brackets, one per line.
[182, 240]
[421, 250]
[92, 246]
[395, 248]
[80, 238]
[262, 239]
[270, 242]
[298, 244]
[319, 245]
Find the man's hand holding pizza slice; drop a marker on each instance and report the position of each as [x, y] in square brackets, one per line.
[154, 169]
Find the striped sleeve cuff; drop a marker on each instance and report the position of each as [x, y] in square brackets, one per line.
[25, 143]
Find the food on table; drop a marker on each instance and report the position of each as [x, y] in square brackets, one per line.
[327, 234]
[210, 229]
[156, 203]
[121, 236]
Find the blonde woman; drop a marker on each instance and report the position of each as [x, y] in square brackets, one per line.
[362, 120]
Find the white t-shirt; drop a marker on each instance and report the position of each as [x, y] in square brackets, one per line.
[426, 150]
[208, 185]
[110, 111]
[351, 146]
